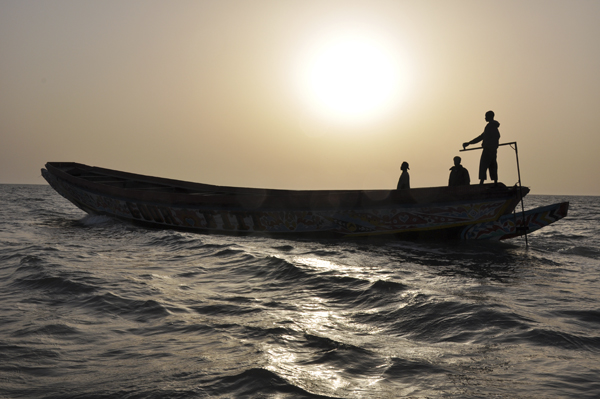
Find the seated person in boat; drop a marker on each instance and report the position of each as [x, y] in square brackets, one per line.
[459, 175]
[404, 182]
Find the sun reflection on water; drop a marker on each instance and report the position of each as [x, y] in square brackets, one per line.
[341, 270]
[319, 357]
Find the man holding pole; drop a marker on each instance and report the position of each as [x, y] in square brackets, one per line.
[490, 138]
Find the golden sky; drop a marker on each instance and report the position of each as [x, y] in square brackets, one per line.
[301, 94]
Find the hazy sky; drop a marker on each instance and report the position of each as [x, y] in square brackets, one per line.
[301, 94]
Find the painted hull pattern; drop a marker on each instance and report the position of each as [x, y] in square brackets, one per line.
[517, 224]
[481, 219]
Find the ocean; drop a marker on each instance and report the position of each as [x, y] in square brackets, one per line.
[91, 307]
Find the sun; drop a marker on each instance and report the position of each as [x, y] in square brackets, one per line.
[351, 78]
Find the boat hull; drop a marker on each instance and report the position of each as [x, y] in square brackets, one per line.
[225, 210]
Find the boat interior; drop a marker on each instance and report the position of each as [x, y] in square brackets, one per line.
[127, 181]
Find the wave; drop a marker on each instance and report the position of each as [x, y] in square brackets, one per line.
[585, 251]
[11, 352]
[100, 392]
[582, 316]
[57, 330]
[276, 269]
[258, 382]
[408, 369]
[55, 285]
[224, 310]
[96, 220]
[138, 309]
[424, 319]
[558, 339]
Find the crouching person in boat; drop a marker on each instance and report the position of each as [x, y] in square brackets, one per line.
[459, 175]
[404, 182]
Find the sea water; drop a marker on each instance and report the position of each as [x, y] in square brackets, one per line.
[91, 307]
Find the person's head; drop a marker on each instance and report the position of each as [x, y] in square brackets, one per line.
[457, 161]
[489, 116]
[404, 166]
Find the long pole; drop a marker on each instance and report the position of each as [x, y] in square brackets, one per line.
[523, 226]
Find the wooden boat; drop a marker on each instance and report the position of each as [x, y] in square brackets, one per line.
[466, 212]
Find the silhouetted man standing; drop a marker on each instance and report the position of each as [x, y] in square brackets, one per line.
[491, 139]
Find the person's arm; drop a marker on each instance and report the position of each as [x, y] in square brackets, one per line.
[474, 141]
